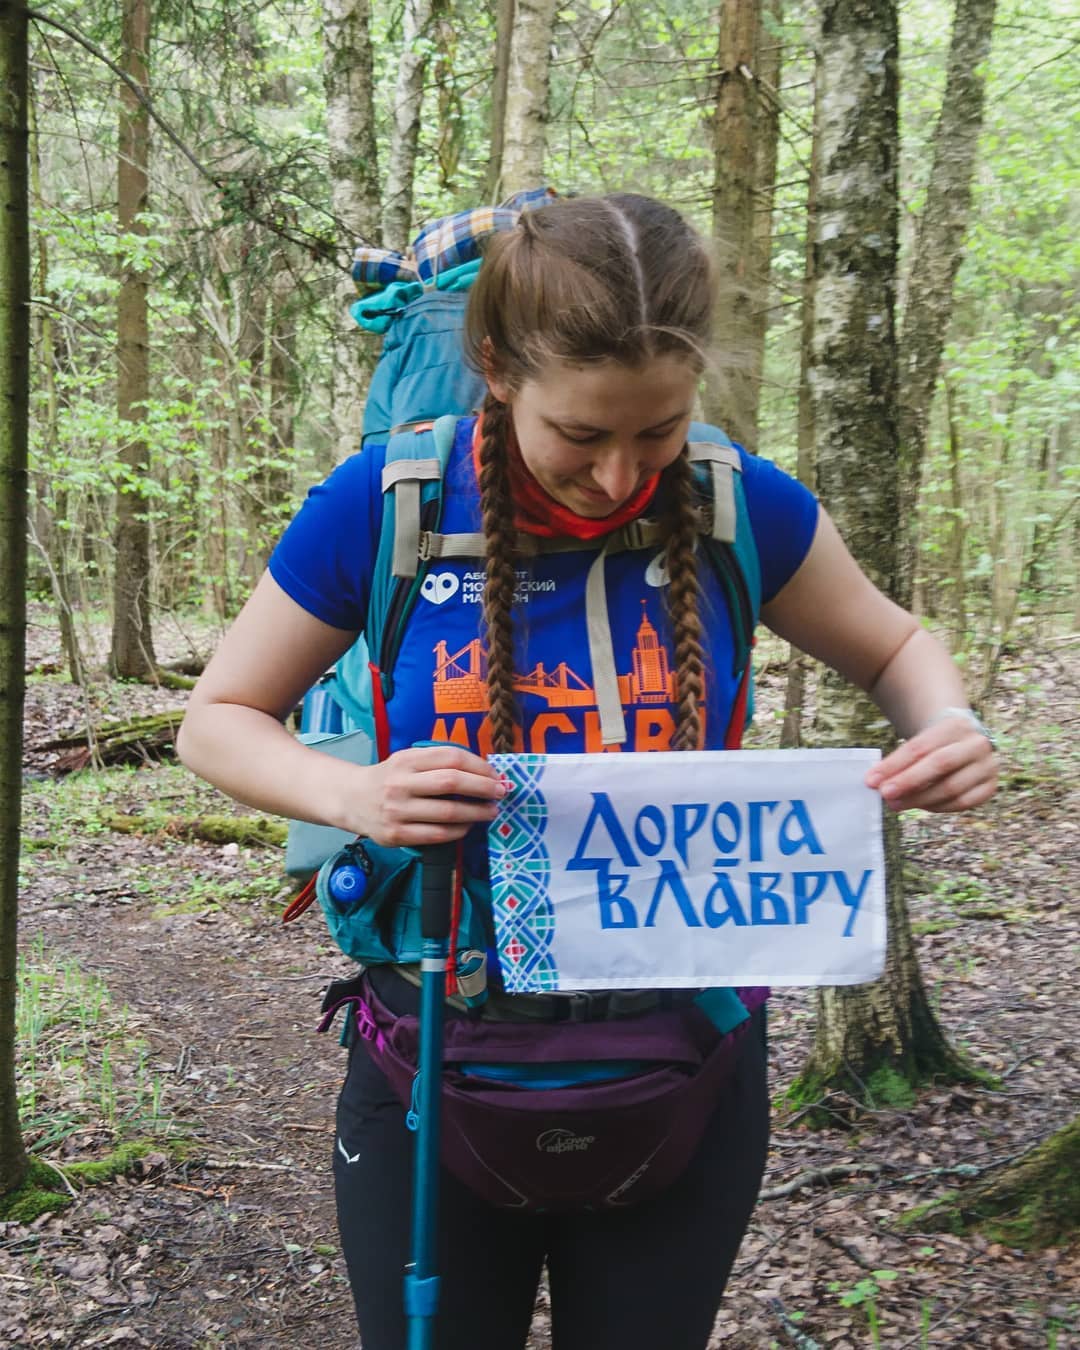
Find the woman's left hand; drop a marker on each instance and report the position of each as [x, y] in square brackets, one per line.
[951, 766]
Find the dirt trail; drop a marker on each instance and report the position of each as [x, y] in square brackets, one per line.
[237, 1246]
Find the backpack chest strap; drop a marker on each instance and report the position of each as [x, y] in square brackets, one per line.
[637, 534]
[413, 545]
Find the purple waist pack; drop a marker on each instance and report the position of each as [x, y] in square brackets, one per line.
[589, 1146]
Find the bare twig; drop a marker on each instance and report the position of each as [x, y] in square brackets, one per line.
[799, 1339]
[822, 1176]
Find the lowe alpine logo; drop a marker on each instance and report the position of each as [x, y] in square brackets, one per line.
[439, 586]
[563, 1141]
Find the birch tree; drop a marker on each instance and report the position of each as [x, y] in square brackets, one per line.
[525, 124]
[419, 19]
[871, 1040]
[15, 377]
[132, 650]
[350, 129]
[806, 467]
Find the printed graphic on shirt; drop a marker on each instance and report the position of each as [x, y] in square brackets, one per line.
[656, 574]
[567, 702]
[472, 587]
[439, 586]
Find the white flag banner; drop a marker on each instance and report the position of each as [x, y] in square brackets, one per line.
[669, 871]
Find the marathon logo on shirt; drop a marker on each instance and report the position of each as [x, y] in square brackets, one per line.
[472, 587]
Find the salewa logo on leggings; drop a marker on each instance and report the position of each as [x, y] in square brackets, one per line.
[350, 1158]
[563, 1141]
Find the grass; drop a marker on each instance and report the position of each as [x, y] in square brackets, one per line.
[57, 811]
[81, 1067]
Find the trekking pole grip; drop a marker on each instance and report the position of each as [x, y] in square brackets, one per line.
[436, 889]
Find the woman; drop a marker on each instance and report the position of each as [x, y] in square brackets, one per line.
[589, 322]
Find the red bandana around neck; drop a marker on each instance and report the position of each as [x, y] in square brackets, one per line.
[537, 512]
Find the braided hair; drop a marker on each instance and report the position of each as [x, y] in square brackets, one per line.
[619, 278]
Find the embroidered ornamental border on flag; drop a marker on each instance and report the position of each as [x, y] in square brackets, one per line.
[668, 871]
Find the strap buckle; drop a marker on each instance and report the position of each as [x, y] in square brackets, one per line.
[637, 533]
[581, 1006]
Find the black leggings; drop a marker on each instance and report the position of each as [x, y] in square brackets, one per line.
[646, 1277]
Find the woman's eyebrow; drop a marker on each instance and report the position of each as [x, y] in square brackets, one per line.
[573, 424]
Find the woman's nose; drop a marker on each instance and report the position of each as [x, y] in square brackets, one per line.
[616, 474]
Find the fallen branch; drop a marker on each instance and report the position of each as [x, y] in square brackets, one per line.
[259, 831]
[822, 1176]
[141, 740]
[799, 1339]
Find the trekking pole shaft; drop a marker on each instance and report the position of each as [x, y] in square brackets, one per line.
[421, 1281]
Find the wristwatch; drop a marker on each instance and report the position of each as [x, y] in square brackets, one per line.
[966, 714]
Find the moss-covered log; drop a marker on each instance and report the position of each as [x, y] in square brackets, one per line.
[260, 831]
[171, 679]
[140, 740]
[1033, 1202]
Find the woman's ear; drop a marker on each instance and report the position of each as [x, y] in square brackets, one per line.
[497, 386]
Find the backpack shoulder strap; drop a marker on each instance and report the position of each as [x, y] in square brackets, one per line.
[718, 469]
[412, 476]
[412, 482]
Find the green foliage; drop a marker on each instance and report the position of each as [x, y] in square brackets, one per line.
[231, 451]
[865, 1295]
[80, 1065]
[1014, 348]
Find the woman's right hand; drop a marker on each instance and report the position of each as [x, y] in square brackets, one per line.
[426, 795]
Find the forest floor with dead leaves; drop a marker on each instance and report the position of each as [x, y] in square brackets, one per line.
[165, 1003]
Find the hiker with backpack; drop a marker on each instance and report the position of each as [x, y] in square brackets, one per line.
[578, 568]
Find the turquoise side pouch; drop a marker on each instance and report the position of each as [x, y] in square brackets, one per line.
[383, 927]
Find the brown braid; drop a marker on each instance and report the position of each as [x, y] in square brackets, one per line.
[496, 504]
[684, 594]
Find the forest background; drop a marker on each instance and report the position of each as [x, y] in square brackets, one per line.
[197, 179]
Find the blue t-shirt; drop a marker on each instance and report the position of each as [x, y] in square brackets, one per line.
[325, 562]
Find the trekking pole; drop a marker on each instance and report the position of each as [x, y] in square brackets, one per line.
[421, 1280]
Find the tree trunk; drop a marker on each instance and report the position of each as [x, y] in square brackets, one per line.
[795, 692]
[732, 397]
[452, 119]
[49, 539]
[419, 18]
[354, 178]
[525, 124]
[770, 61]
[504, 30]
[132, 651]
[15, 376]
[1034, 1202]
[939, 242]
[872, 1040]
[957, 526]
[270, 485]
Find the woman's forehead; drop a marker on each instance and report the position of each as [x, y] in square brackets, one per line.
[573, 387]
